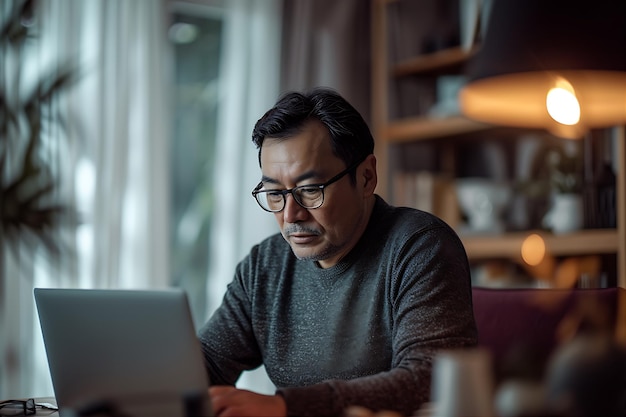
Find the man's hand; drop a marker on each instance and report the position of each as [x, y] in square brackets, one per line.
[228, 401]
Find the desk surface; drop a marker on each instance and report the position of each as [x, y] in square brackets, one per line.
[44, 411]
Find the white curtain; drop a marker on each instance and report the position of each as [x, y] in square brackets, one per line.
[249, 86]
[117, 160]
[123, 173]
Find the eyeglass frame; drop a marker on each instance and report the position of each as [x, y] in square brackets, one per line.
[257, 190]
[29, 406]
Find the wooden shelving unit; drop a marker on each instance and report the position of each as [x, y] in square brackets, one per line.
[418, 128]
[584, 242]
[423, 128]
[431, 62]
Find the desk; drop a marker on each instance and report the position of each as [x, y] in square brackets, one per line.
[154, 409]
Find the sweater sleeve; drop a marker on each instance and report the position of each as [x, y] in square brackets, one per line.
[430, 295]
[229, 331]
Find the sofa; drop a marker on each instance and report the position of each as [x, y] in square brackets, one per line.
[521, 328]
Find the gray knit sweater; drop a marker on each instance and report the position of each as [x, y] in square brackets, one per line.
[363, 332]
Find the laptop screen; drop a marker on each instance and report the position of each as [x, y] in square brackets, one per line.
[132, 349]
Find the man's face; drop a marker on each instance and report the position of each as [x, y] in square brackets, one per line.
[327, 233]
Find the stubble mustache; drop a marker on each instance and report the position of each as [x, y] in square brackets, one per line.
[296, 229]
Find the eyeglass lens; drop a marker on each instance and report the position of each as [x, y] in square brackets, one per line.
[307, 197]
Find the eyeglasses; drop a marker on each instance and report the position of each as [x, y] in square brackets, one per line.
[308, 196]
[28, 406]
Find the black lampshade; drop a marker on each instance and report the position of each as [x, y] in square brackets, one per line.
[531, 46]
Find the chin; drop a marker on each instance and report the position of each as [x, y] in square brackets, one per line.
[310, 254]
[306, 255]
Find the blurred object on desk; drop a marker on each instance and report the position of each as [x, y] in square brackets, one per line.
[462, 383]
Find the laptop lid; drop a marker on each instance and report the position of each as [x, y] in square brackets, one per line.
[135, 350]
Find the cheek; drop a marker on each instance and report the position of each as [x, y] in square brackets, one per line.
[337, 217]
[279, 219]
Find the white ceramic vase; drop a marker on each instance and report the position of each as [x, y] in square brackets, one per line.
[565, 214]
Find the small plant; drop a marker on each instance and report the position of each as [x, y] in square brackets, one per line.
[556, 169]
[30, 207]
[565, 171]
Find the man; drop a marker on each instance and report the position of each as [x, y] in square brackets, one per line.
[349, 303]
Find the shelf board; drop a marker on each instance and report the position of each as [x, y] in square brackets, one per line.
[431, 62]
[508, 245]
[424, 128]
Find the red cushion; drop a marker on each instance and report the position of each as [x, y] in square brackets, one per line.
[529, 319]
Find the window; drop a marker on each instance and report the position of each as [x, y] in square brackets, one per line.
[195, 34]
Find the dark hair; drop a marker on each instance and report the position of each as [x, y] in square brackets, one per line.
[351, 139]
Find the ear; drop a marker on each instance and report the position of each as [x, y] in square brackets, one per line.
[368, 175]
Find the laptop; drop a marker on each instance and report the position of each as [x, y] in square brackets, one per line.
[123, 352]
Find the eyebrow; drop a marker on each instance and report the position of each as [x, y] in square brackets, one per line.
[305, 176]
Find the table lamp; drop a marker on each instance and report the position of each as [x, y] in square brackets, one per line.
[558, 65]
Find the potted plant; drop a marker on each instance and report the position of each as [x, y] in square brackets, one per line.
[554, 182]
[30, 209]
[565, 176]
[564, 167]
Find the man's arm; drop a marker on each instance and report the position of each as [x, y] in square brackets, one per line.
[227, 339]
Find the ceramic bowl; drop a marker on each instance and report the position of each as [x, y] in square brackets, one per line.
[483, 200]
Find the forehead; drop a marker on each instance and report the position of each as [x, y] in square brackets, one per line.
[310, 143]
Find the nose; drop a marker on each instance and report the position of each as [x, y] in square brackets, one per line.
[293, 212]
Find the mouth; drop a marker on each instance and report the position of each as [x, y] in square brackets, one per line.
[302, 239]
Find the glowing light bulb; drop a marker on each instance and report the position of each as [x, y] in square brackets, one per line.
[533, 249]
[562, 104]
